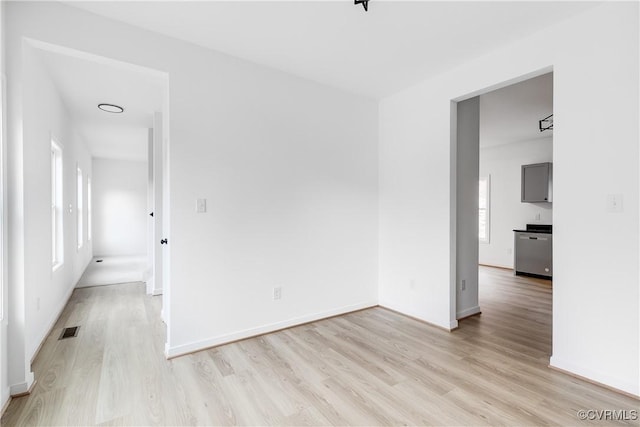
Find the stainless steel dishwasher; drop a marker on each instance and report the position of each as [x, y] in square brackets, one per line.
[533, 251]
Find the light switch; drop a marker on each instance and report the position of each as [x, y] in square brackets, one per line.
[201, 205]
[614, 203]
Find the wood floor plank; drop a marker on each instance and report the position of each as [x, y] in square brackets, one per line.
[371, 367]
[86, 373]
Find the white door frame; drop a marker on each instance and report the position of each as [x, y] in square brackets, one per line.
[158, 236]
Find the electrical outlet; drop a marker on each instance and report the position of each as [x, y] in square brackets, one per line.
[201, 205]
[537, 217]
[614, 203]
[277, 293]
[463, 286]
[509, 251]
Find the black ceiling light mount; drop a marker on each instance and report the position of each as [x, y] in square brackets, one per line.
[111, 108]
[546, 123]
[364, 3]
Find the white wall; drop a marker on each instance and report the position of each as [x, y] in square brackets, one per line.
[119, 207]
[502, 163]
[595, 152]
[288, 168]
[45, 115]
[37, 294]
[4, 374]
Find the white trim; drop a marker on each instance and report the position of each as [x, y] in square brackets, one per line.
[102, 60]
[156, 292]
[5, 404]
[3, 196]
[149, 284]
[57, 182]
[468, 312]
[487, 209]
[79, 207]
[56, 266]
[22, 388]
[184, 349]
[89, 210]
[447, 325]
[623, 384]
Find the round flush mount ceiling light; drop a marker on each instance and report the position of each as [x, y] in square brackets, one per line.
[111, 108]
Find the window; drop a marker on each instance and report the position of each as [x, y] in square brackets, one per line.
[484, 204]
[57, 244]
[89, 222]
[79, 209]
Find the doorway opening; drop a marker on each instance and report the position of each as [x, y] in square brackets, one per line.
[503, 140]
[119, 152]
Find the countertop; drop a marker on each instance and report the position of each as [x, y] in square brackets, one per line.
[533, 231]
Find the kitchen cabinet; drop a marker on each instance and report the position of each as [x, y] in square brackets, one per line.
[536, 183]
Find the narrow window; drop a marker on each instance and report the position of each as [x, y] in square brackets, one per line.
[89, 221]
[79, 209]
[484, 203]
[57, 244]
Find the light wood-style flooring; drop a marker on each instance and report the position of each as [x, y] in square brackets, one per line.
[372, 367]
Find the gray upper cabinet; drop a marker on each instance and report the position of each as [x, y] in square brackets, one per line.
[536, 183]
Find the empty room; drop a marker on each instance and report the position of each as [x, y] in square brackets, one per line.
[273, 213]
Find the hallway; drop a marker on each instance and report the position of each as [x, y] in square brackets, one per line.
[111, 270]
[88, 379]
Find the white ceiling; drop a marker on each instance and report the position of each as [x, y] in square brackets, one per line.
[84, 83]
[511, 114]
[392, 46]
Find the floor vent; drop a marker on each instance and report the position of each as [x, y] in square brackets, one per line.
[98, 260]
[69, 332]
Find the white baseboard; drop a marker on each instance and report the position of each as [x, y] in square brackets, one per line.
[468, 312]
[621, 384]
[181, 350]
[447, 325]
[6, 400]
[23, 388]
[150, 284]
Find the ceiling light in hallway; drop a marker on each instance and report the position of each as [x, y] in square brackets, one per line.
[111, 108]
